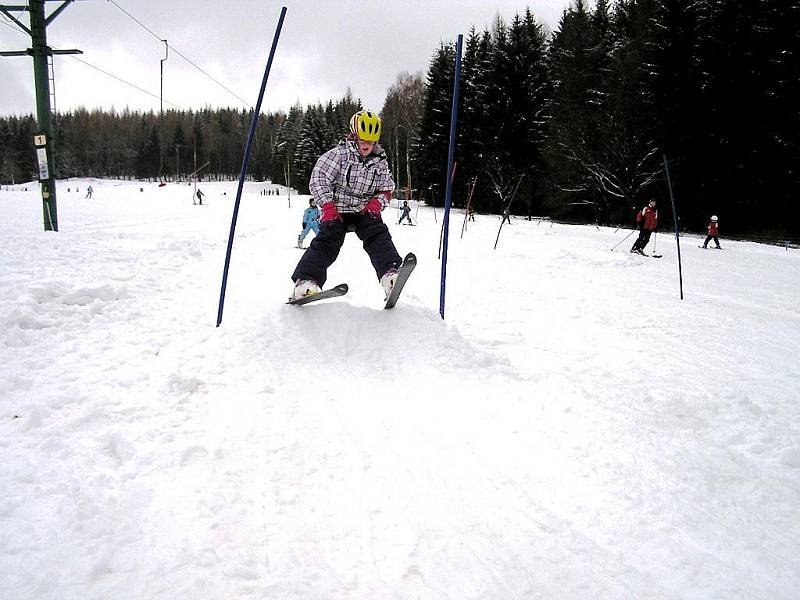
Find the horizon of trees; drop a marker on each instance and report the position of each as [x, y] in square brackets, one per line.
[579, 119]
[713, 85]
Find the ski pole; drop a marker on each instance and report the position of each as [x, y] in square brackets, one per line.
[247, 149]
[623, 239]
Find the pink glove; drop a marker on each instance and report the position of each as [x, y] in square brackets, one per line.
[329, 212]
[374, 208]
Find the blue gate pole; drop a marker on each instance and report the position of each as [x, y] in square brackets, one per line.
[245, 161]
[675, 218]
[449, 183]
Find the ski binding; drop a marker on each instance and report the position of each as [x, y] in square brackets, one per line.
[334, 292]
[409, 263]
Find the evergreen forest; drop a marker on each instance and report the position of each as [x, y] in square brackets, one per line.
[577, 124]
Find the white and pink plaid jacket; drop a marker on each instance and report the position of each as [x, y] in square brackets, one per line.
[341, 175]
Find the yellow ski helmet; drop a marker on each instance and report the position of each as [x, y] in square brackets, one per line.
[366, 126]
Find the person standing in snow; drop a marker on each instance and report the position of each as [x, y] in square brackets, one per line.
[713, 232]
[89, 191]
[648, 221]
[310, 222]
[406, 213]
[199, 195]
[352, 184]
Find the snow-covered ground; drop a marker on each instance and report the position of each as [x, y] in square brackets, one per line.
[572, 429]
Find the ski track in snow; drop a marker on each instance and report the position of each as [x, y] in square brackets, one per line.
[571, 430]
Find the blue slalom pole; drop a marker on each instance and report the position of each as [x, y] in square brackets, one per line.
[245, 161]
[448, 197]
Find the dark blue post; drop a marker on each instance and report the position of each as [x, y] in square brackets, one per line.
[245, 161]
[448, 197]
[675, 218]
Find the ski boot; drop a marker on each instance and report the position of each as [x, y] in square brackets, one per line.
[305, 287]
[387, 281]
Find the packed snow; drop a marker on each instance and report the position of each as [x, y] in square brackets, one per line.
[571, 429]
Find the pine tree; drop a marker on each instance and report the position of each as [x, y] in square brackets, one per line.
[527, 86]
[629, 164]
[286, 141]
[677, 97]
[749, 102]
[472, 116]
[431, 156]
[312, 143]
[147, 155]
[580, 69]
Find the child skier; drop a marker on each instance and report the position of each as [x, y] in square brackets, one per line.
[352, 184]
[648, 221]
[406, 213]
[713, 232]
[310, 222]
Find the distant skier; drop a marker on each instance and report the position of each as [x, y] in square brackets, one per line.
[471, 213]
[406, 213]
[506, 216]
[199, 195]
[310, 222]
[89, 191]
[648, 221]
[352, 184]
[713, 232]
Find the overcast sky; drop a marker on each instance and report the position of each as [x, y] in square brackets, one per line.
[325, 47]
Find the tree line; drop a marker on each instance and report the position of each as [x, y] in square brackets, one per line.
[578, 121]
[587, 114]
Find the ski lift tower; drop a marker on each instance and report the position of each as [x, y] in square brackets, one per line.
[42, 75]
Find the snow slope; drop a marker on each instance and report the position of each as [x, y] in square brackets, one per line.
[573, 429]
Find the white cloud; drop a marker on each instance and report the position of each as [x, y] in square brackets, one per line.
[325, 47]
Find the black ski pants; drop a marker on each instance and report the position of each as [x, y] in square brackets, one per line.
[709, 238]
[642, 240]
[324, 249]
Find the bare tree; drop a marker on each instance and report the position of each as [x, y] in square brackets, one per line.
[400, 114]
[620, 168]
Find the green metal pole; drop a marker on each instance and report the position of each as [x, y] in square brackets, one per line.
[40, 52]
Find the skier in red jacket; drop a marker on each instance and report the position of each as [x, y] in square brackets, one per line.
[713, 232]
[648, 221]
